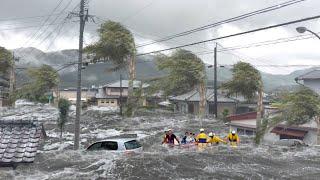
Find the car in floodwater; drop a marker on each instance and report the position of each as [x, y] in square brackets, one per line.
[127, 145]
[291, 143]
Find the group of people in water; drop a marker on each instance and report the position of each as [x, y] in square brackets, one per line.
[201, 139]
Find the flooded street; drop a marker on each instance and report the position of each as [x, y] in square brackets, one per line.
[57, 160]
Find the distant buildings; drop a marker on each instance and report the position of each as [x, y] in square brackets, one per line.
[245, 124]
[71, 94]
[109, 94]
[310, 80]
[4, 89]
[189, 103]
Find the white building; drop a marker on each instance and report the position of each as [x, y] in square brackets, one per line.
[310, 80]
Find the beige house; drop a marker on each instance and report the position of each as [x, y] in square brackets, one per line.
[109, 94]
[71, 94]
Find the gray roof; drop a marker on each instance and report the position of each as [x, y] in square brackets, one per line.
[315, 74]
[19, 141]
[125, 84]
[194, 96]
[103, 96]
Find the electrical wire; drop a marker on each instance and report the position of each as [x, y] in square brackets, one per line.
[233, 19]
[233, 35]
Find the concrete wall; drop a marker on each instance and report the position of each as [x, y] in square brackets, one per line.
[313, 84]
[108, 103]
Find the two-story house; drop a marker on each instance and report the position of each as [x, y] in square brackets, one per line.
[310, 80]
[109, 94]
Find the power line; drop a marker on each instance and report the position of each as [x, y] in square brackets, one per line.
[237, 18]
[30, 17]
[233, 35]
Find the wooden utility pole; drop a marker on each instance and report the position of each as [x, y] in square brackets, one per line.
[78, 102]
[215, 84]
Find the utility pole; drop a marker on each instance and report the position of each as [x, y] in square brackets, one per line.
[83, 18]
[215, 83]
[120, 99]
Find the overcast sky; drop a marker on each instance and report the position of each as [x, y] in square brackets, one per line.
[151, 19]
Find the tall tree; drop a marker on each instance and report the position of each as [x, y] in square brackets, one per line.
[185, 72]
[116, 44]
[43, 80]
[246, 81]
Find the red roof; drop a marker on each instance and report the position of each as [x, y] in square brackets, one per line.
[244, 116]
[289, 132]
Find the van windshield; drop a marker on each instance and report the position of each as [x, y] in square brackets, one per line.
[132, 144]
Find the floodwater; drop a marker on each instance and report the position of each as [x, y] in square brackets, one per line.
[57, 160]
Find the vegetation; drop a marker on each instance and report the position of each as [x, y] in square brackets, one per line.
[225, 114]
[185, 71]
[44, 79]
[5, 60]
[247, 82]
[116, 44]
[63, 106]
[296, 108]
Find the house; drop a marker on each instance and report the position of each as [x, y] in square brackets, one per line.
[245, 124]
[310, 80]
[189, 103]
[19, 141]
[71, 94]
[109, 94]
[244, 106]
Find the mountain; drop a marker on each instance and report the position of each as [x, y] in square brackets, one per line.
[98, 74]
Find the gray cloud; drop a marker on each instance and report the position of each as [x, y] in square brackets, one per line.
[151, 19]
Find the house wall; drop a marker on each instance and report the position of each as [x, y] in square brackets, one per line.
[108, 102]
[72, 94]
[221, 107]
[230, 106]
[116, 91]
[313, 84]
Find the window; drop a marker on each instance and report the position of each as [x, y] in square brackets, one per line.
[115, 89]
[95, 146]
[249, 133]
[132, 144]
[110, 145]
[102, 101]
[112, 101]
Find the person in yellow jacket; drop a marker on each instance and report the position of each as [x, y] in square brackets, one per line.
[213, 139]
[202, 137]
[233, 138]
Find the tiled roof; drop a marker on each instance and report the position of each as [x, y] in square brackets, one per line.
[315, 74]
[19, 141]
[194, 96]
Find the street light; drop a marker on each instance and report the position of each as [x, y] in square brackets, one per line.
[304, 29]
